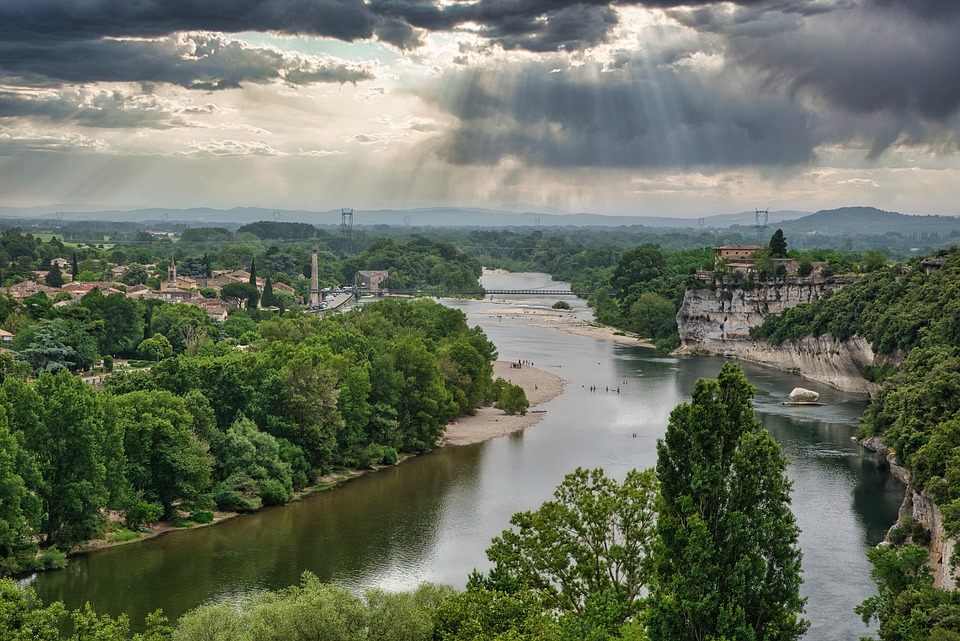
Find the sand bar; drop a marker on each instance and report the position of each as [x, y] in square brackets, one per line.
[489, 422]
[567, 321]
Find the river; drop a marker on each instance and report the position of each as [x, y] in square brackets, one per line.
[431, 518]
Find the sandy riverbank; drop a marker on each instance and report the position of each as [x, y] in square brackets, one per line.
[539, 385]
[566, 321]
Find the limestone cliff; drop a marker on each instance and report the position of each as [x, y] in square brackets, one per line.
[920, 506]
[718, 321]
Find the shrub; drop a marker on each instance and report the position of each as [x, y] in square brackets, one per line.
[142, 512]
[494, 391]
[513, 400]
[202, 517]
[273, 492]
[52, 559]
[561, 304]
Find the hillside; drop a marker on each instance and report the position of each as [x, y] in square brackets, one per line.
[911, 310]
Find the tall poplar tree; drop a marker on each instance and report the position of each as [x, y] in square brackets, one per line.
[727, 562]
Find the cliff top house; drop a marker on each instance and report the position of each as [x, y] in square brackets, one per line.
[736, 253]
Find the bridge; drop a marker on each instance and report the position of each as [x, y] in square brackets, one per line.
[484, 292]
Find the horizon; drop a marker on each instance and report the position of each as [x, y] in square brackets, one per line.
[645, 108]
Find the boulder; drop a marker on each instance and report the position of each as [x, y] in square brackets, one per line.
[801, 395]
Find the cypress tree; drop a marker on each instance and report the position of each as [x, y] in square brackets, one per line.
[727, 562]
[254, 297]
[267, 299]
[74, 271]
[778, 245]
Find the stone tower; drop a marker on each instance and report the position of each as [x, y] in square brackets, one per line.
[314, 281]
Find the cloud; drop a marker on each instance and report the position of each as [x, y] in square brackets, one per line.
[640, 117]
[191, 60]
[896, 77]
[235, 148]
[94, 19]
[93, 108]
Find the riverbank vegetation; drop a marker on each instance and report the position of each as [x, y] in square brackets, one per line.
[645, 558]
[236, 430]
[910, 314]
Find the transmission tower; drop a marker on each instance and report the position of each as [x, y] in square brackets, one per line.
[346, 229]
[276, 215]
[763, 215]
[406, 221]
[702, 222]
[537, 221]
[59, 215]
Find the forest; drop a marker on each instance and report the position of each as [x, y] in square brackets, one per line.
[218, 427]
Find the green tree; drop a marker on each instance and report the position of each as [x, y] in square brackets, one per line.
[240, 294]
[267, 299]
[636, 267]
[252, 471]
[155, 348]
[513, 400]
[778, 245]
[54, 277]
[19, 508]
[165, 461]
[68, 443]
[907, 607]
[587, 552]
[135, 274]
[652, 316]
[726, 560]
[121, 321]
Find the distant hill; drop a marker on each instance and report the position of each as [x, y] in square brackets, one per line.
[869, 221]
[846, 221]
[422, 217]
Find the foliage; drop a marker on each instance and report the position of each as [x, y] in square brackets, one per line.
[135, 274]
[316, 610]
[513, 400]
[54, 277]
[23, 617]
[69, 441]
[726, 560]
[155, 348]
[778, 245]
[561, 304]
[586, 553]
[907, 607]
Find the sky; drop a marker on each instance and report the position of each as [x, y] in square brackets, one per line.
[630, 107]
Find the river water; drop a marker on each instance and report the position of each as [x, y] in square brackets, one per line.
[431, 518]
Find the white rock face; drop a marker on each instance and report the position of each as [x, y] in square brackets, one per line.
[718, 321]
[803, 395]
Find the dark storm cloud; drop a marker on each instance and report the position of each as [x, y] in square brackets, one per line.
[197, 61]
[878, 61]
[92, 19]
[51, 42]
[642, 118]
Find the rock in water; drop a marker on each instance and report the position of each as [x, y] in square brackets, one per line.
[801, 395]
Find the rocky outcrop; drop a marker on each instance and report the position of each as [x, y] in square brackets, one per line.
[921, 508]
[726, 313]
[718, 321]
